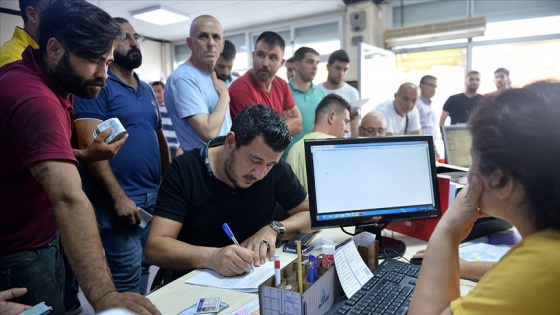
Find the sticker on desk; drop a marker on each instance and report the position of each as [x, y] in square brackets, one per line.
[193, 309]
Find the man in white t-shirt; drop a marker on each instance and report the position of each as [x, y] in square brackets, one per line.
[338, 66]
[401, 113]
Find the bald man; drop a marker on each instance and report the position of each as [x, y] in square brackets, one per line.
[401, 113]
[197, 101]
[373, 125]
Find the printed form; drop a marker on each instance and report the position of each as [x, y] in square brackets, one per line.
[352, 271]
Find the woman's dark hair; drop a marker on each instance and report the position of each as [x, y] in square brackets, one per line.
[517, 132]
[261, 120]
[82, 28]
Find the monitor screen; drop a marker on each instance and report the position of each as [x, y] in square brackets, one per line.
[361, 181]
[458, 141]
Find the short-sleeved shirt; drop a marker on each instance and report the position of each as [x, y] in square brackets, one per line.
[11, 50]
[296, 156]
[190, 91]
[524, 281]
[245, 91]
[36, 119]
[396, 124]
[137, 166]
[347, 92]
[307, 104]
[427, 117]
[202, 203]
[459, 106]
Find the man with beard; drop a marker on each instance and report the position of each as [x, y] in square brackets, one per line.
[225, 64]
[121, 187]
[459, 106]
[197, 101]
[236, 179]
[337, 67]
[306, 95]
[41, 190]
[260, 85]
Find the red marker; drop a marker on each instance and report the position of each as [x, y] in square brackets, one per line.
[277, 277]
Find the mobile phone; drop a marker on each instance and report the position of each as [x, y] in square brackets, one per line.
[38, 309]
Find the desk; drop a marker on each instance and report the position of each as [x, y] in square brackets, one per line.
[176, 296]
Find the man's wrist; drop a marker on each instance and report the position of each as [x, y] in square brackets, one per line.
[279, 229]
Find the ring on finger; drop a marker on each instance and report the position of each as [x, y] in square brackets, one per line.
[264, 242]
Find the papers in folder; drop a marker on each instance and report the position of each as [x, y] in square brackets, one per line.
[248, 282]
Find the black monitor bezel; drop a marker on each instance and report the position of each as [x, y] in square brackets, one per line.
[368, 220]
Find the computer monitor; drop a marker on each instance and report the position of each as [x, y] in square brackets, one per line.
[369, 182]
[458, 141]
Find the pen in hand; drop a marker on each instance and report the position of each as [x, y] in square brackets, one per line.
[232, 237]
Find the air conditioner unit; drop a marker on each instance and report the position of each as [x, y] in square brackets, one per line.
[419, 34]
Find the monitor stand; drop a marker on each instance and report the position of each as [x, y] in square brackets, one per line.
[388, 246]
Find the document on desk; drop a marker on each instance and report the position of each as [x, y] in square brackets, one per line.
[352, 271]
[482, 251]
[248, 282]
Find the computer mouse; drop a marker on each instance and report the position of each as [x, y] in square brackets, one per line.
[416, 261]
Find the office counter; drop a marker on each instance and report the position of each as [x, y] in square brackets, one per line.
[176, 296]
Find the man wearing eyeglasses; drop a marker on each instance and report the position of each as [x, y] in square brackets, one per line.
[373, 125]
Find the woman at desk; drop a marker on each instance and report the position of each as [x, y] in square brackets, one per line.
[515, 176]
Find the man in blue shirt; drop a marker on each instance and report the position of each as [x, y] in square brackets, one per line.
[119, 188]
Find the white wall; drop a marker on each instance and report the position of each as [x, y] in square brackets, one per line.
[7, 24]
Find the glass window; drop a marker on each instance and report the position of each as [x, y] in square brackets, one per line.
[520, 28]
[241, 58]
[181, 54]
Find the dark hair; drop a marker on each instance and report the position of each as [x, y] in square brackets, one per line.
[271, 39]
[158, 83]
[340, 55]
[80, 27]
[300, 53]
[516, 132]
[261, 120]
[331, 102]
[24, 4]
[472, 72]
[229, 51]
[425, 79]
[121, 20]
[502, 70]
[290, 60]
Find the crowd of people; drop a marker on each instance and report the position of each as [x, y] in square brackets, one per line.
[209, 147]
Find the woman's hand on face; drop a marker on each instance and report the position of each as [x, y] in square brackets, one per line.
[461, 215]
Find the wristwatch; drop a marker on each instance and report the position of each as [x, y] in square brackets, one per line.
[279, 228]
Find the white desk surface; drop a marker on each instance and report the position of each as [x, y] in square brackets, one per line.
[176, 296]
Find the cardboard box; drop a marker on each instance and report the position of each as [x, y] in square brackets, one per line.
[317, 298]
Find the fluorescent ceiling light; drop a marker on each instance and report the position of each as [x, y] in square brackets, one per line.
[158, 15]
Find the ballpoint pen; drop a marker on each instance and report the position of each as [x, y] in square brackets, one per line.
[232, 237]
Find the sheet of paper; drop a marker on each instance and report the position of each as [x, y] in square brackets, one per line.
[482, 252]
[360, 103]
[248, 282]
[352, 271]
[145, 216]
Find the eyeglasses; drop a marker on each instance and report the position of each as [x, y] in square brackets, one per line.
[430, 85]
[373, 131]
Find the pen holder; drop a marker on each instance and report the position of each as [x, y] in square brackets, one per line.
[317, 298]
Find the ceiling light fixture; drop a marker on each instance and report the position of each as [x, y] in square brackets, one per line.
[159, 15]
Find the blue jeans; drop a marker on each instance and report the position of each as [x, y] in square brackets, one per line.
[124, 244]
[40, 270]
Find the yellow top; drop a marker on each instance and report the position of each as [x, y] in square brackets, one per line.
[11, 50]
[296, 156]
[525, 281]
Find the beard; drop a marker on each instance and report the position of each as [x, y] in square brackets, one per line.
[72, 82]
[231, 172]
[129, 61]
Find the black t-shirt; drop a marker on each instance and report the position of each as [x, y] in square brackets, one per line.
[189, 194]
[459, 107]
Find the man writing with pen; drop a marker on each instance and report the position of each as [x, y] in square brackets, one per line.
[236, 179]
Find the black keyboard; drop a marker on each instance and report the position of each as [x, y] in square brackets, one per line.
[388, 292]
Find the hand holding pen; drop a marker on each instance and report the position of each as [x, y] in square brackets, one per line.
[229, 233]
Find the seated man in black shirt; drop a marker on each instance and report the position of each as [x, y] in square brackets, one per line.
[236, 179]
